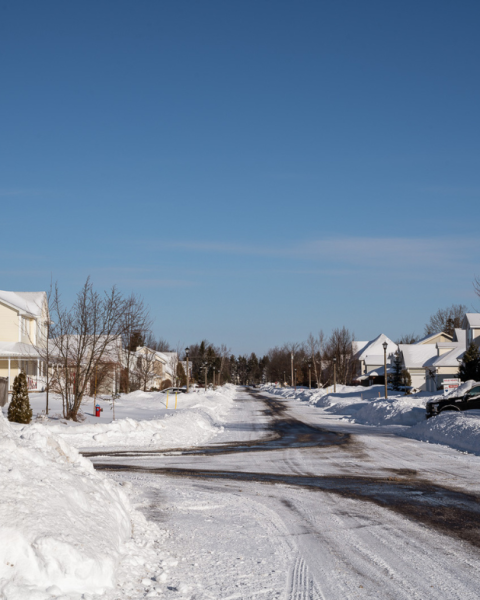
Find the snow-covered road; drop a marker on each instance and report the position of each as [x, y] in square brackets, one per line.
[310, 507]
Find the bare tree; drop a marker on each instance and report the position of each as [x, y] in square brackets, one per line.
[83, 338]
[339, 346]
[314, 347]
[446, 320]
[135, 325]
[146, 360]
[408, 338]
[223, 352]
[161, 345]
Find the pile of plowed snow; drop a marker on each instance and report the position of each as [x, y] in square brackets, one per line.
[143, 421]
[64, 528]
[460, 430]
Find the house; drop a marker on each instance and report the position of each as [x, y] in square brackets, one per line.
[471, 326]
[23, 328]
[446, 364]
[418, 358]
[159, 368]
[369, 359]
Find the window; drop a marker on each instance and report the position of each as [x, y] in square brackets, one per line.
[475, 391]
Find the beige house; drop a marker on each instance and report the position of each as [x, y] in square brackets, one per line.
[161, 367]
[23, 327]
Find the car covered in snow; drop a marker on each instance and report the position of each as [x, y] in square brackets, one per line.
[178, 390]
[468, 401]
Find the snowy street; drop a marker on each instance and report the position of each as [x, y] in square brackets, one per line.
[291, 502]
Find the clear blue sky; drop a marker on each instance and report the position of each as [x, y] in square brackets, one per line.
[255, 169]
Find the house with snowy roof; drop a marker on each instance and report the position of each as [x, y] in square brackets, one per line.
[369, 359]
[471, 326]
[23, 328]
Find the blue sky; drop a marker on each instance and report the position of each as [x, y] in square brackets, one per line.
[257, 170]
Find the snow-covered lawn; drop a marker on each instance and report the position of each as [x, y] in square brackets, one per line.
[367, 406]
[142, 419]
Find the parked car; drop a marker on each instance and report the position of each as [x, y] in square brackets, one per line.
[172, 390]
[469, 401]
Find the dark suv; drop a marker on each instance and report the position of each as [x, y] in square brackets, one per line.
[468, 401]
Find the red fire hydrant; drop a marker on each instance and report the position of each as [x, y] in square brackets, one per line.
[98, 410]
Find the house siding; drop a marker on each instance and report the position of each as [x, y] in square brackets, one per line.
[8, 324]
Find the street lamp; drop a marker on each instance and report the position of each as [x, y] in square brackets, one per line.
[295, 378]
[334, 374]
[187, 350]
[385, 346]
[309, 376]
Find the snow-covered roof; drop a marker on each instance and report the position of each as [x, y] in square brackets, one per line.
[416, 356]
[375, 348]
[429, 339]
[358, 347]
[28, 302]
[18, 350]
[461, 336]
[378, 372]
[449, 359]
[472, 320]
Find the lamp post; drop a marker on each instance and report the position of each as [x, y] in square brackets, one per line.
[309, 376]
[214, 369]
[291, 356]
[334, 374]
[187, 350]
[385, 346]
[205, 367]
[295, 378]
[284, 380]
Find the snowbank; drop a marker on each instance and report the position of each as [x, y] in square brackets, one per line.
[459, 430]
[143, 420]
[64, 528]
[363, 405]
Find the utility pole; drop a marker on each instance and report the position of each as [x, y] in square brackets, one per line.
[385, 346]
[206, 370]
[214, 369]
[187, 350]
[334, 374]
[292, 366]
[309, 376]
[295, 378]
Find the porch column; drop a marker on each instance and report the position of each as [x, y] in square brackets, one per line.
[8, 375]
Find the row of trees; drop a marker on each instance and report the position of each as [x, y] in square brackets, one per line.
[315, 358]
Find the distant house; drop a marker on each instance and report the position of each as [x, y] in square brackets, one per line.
[418, 358]
[446, 364]
[162, 366]
[471, 326]
[23, 328]
[369, 359]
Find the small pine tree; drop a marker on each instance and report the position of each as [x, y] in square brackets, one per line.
[470, 367]
[397, 373]
[19, 410]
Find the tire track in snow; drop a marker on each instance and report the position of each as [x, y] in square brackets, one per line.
[300, 585]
